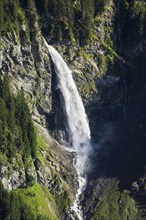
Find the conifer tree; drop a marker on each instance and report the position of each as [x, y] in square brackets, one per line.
[87, 18]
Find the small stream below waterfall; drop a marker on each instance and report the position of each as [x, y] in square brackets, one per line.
[77, 125]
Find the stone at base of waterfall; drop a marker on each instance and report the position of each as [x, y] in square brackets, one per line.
[72, 215]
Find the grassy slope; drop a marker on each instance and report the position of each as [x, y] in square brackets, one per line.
[40, 201]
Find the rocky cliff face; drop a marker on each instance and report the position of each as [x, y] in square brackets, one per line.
[120, 125]
[27, 63]
[109, 73]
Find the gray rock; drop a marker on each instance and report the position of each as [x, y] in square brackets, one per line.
[13, 178]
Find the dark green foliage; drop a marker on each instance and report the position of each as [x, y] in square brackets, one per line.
[87, 18]
[11, 206]
[99, 5]
[60, 17]
[64, 19]
[16, 135]
[26, 4]
[16, 126]
[70, 19]
[8, 15]
[43, 5]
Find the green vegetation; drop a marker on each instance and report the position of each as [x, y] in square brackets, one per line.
[34, 202]
[63, 198]
[140, 8]
[99, 5]
[11, 16]
[8, 15]
[10, 205]
[17, 132]
[66, 19]
[40, 202]
[115, 205]
[110, 50]
[18, 147]
[84, 54]
[103, 62]
[63, 201]
[88, 88]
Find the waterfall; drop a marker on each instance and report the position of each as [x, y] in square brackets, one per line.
[77, 122]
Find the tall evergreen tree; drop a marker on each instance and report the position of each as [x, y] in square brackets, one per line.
[87, 18]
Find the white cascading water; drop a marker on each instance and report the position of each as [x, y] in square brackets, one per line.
[77, 122]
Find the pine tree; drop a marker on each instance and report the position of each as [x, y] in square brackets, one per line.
[70, 16]
[87, 18]
[27, 148]
[32, 138]
[15, 207]
[5, 203]
[6, 94]
[16, 127]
